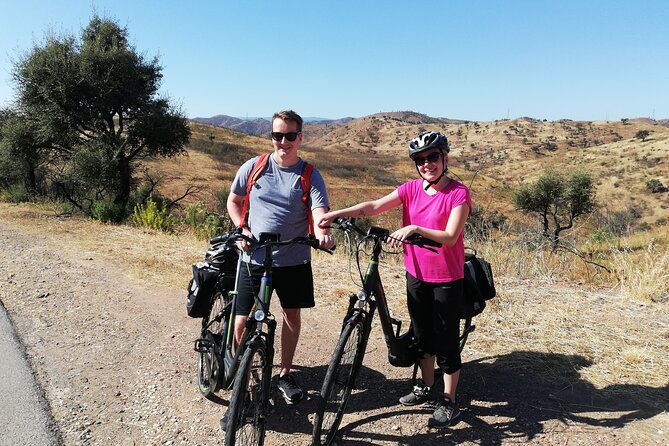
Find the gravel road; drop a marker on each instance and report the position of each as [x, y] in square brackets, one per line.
[113, 354]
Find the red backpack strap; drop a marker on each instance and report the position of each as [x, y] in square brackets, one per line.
[251, 180]
[306, 188]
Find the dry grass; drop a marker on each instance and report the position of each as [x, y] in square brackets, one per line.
[609, 340]
[645, 274]
[163, 259]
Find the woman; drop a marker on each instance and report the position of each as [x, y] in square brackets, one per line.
[434, 206]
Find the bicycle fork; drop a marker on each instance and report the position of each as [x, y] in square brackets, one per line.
[360, 309]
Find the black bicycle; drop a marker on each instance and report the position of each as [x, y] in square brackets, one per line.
[349, 352]
[246, 368]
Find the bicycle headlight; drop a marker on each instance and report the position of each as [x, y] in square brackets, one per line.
[362, 295]
[259, 315]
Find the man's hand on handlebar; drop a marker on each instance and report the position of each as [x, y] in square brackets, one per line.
[242, 244]
[326, 241]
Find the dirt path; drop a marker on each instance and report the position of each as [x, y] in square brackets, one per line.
[112, 349]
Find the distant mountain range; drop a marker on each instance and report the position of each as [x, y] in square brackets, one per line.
[259, 126]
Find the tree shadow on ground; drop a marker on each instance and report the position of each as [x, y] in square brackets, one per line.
[502, 397]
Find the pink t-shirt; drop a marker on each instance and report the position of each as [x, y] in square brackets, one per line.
[432, 212]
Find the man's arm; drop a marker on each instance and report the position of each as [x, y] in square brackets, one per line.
[323, 235]
[235, 204]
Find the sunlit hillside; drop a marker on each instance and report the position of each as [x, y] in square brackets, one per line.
[368, 157]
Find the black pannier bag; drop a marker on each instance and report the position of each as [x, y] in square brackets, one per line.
[201, 289]
[220, 266]
[479, 283]
[402, 352]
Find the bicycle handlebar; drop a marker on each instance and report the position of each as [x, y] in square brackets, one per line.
[348, 223]
[266, 239]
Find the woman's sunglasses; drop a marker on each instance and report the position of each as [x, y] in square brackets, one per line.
[431, 158]
[290, 136]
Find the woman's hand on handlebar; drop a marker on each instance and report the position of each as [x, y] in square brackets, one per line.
[397, 238]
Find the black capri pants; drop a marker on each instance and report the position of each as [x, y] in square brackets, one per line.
[435, 310]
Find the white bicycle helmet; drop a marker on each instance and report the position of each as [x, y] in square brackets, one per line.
[428, 140]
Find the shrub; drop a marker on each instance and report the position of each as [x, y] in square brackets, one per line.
[620, 223]
[221, 196]
[601, 236]
[206, 224]
[149, 215]
[107, 211]
[16, 193]
[480, 224]
[655, 186]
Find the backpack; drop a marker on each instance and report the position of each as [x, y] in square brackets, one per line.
[305, 179]
[479, 283]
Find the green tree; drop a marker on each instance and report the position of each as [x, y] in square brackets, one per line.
[642, 135]
[557, 201]
[95, 104]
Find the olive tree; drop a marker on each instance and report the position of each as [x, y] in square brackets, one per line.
[557, 201]
[94, 107]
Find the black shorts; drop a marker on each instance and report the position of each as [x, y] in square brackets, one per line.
[435, 310]
[294, 285]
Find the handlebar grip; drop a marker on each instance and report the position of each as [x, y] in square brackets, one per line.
[316, 244]
[230, 237]
[218, 239]
[430, 242]
[419, 240]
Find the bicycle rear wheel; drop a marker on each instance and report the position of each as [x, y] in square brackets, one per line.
[210, 367]
[248, 403]
[339, 379]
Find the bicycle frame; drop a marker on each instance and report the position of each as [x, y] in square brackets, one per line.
[257, 325]
[373, 295]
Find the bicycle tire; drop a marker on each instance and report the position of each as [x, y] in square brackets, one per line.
[248, 402]
[210, 367]
[339, 381]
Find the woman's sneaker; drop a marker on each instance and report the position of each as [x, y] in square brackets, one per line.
[444, 414]
[289, 389]
[419, 395]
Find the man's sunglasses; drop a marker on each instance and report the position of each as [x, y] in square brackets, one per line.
[290, 136]
[431, 158]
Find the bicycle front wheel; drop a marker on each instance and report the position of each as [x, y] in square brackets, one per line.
[338, 383]
[248, 403]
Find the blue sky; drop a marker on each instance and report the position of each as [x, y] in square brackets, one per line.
[476, 60]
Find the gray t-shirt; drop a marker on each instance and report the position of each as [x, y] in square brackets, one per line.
[276, 206]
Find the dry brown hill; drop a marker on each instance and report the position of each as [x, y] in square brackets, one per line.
[367, 157]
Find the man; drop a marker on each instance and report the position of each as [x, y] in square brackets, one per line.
[275, 205]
